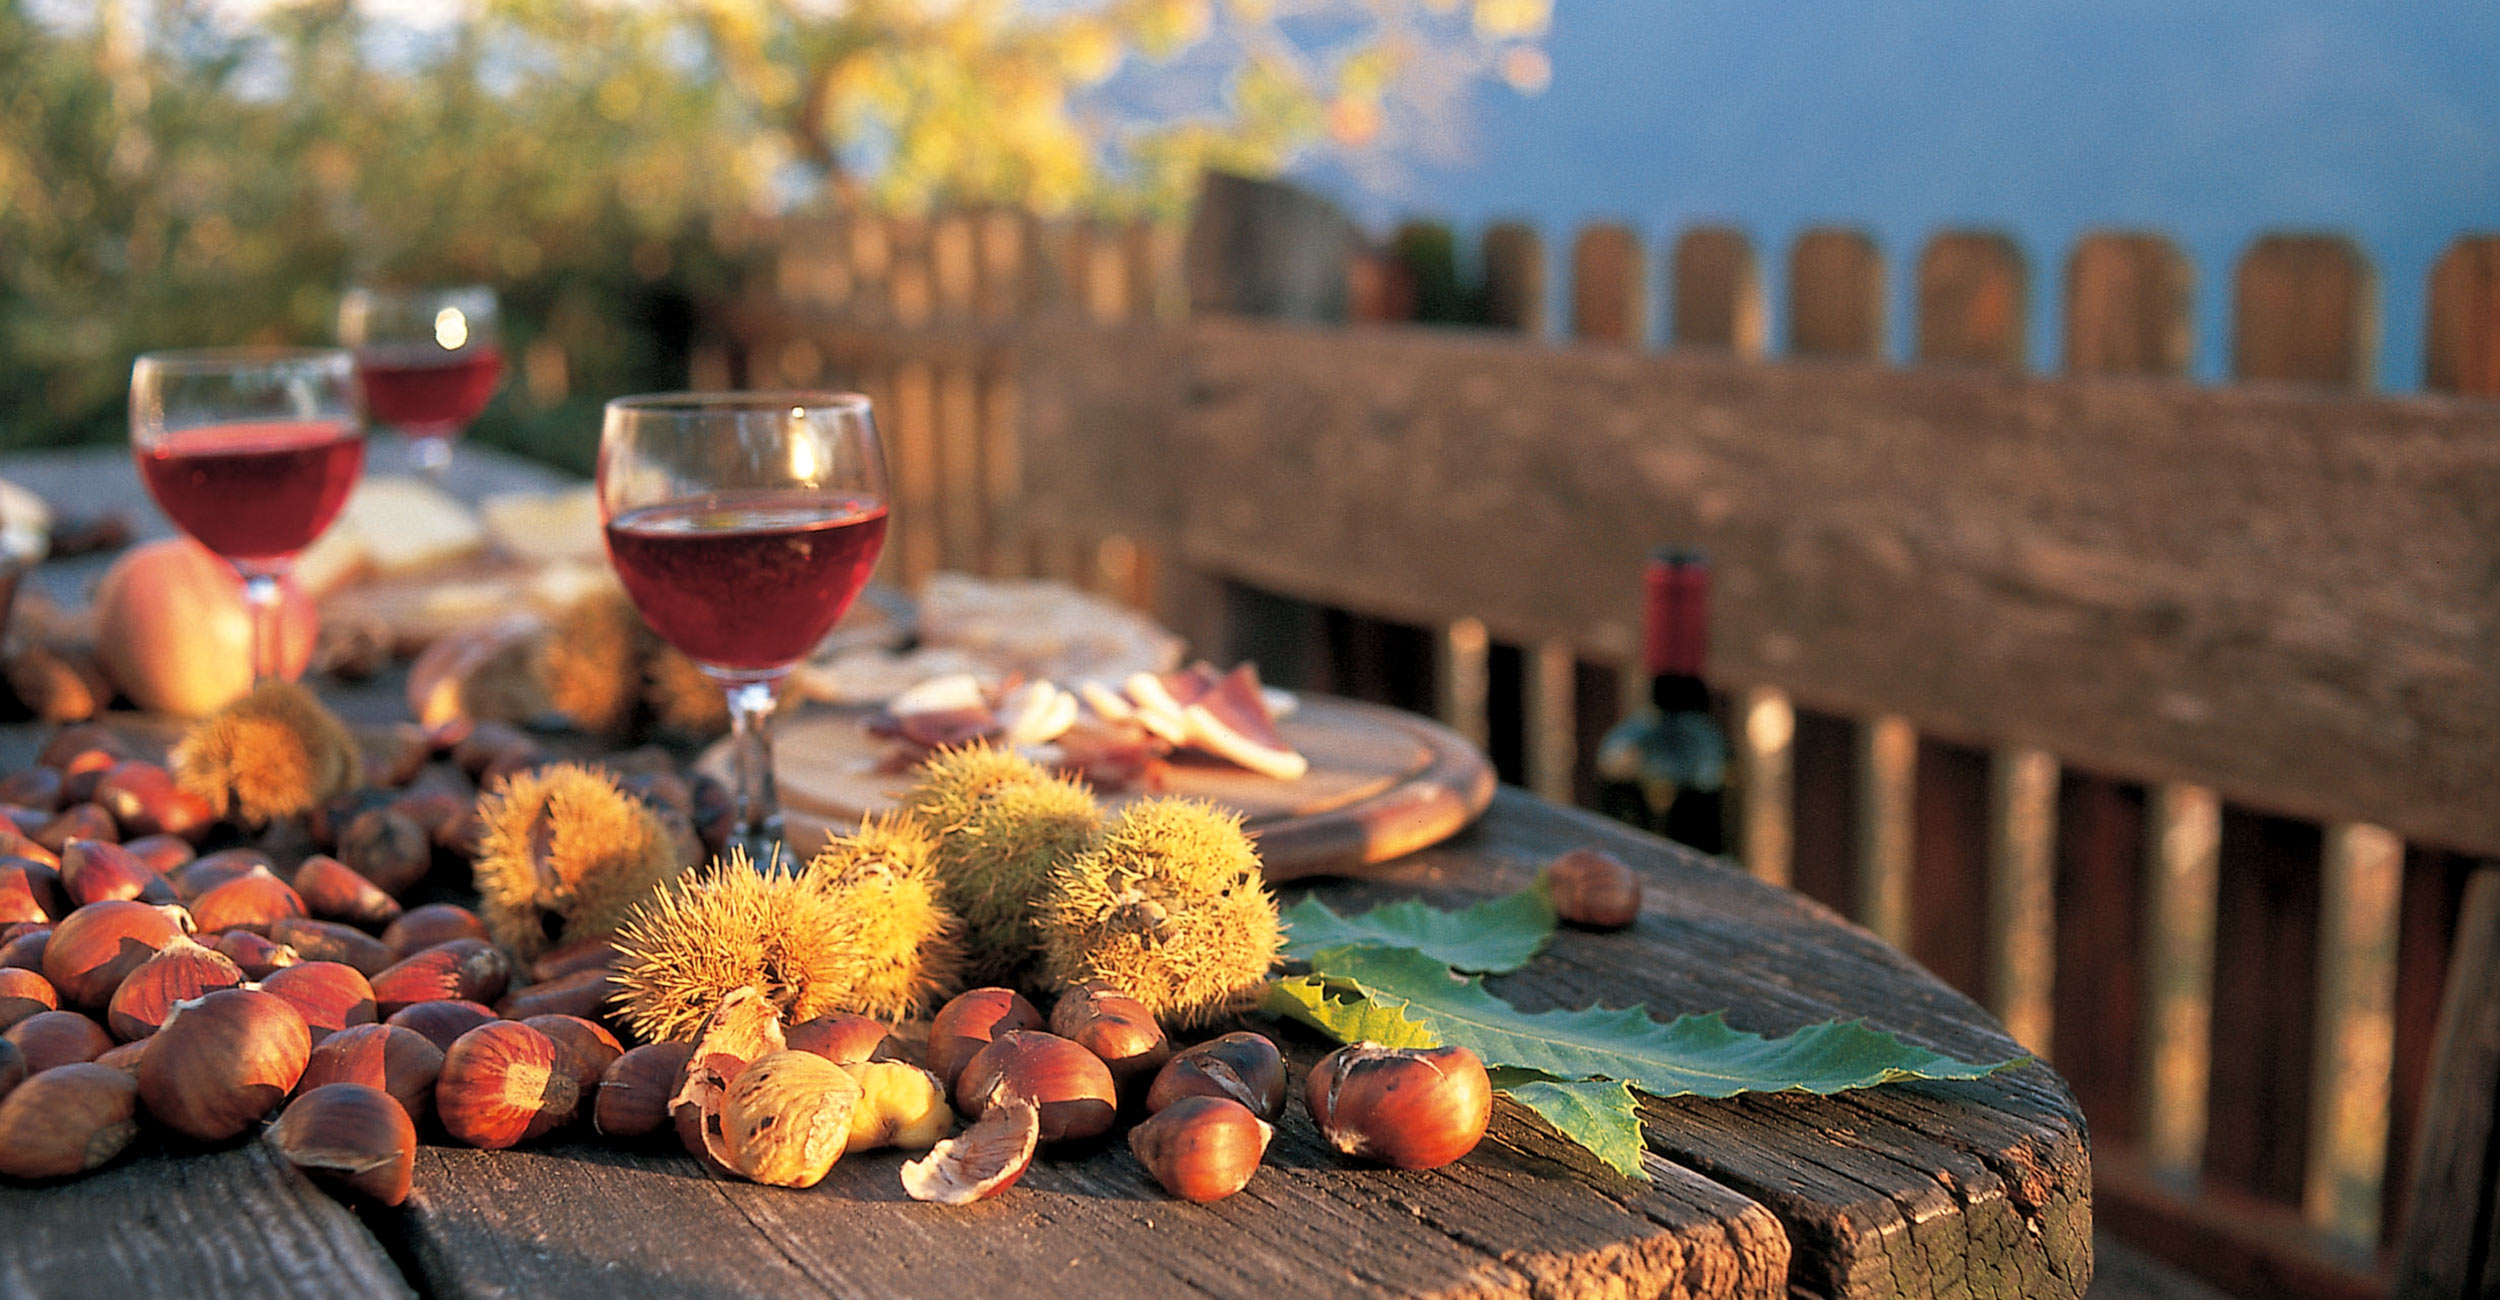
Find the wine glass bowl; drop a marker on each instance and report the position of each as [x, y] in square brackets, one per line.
[743, 525]
[429, 360]
[252, 452]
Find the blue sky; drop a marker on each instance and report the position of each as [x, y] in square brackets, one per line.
[2211, 120]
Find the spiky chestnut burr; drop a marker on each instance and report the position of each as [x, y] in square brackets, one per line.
[563, 855]
[681, 698]
[726, 927]
[951, 782]
[996, 864]
[1167, 906]
[593, 662]
[905, 946]
[274, 753]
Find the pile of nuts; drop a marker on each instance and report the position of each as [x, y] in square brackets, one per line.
[145, 982]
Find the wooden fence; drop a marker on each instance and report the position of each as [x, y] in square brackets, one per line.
[2163, 719]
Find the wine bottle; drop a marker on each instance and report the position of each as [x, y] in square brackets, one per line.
[1664, 767]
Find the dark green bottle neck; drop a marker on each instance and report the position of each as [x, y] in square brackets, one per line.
[1678, 693]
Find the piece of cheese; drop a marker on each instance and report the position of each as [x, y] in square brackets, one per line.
[408, 524]
[545, 527]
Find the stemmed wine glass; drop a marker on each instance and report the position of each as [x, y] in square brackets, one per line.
[743, 525]
[252, 452]
[429, 359]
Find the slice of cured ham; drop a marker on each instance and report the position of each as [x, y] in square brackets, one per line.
[1231, 721]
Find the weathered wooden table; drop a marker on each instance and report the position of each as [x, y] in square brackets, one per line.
[1947, 1189]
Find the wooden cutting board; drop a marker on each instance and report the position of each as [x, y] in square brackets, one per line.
[1382, 784]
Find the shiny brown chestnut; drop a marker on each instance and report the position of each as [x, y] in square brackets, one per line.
[180, 971]
[353, 1135]
[331, 996]
[1593, 889]
[331, 941]
[145, 800]
[502, 1084]
[52, 1039]
[204, 873]
[164, 854]
[588, 994]
[1070, 1084]
[1412, 1107]
[634, 1092]
[968, 1022]
[256, 954]
[1202, 1148]
[23, 949]
[469, 969]
[841, 1037]
[588, 1049]
[219, 1064]
[398, 1060]
[64, 1122]
[334, 892]
[24, 899]
[24, 993]
[95, 870]
[12, 1066]
[1243, 1066]
[443, 1020]
[388, 849]
[94, 948]
[420, 928]
[79, 821]
[1116, 1027]
[255, 900]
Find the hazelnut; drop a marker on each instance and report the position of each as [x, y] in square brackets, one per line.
[388, 849]
[745, 1026]
[1071, 1085]
[352, 1134]
[1116, 1027]
[95, 870]
[202, 874]
[24, 993]
[968, 1022]
[585, 993]
[1243, 1066]
[841, 1037]
[51, 1039]
[399, 1061]
[443, 1020]
[255, 954]
[163, 854]
[502, 1084]
[331, 941]
[180, 971]
[79, 821]
[67, 1121]
[633, 1094]
[329, 995]
[421, 928]
[588, 1049]
[1594, 889]
[982, 1161]
[334, 893]
[469, 969]
[23, 949]
[255, 900]
[573, 958]
[1202, 1148]
[94, 948]
[144, 800]
[787, 1118]
[900, 1105]
[220, 1063]
[1412, 1107]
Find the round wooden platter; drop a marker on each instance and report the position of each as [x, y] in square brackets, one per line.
[1382, 784]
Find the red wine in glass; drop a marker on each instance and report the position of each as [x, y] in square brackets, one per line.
[427, 392]
[254, 491]
[747, 580]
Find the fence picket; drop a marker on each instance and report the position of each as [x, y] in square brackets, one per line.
[2304, 309]
[1835, 296]
[2128, 295]
[1514, 279]
[1715, 293]
[1609, 301]
[1972, 301]
[2183, 846]
[2462, 345]
[2354, 1058]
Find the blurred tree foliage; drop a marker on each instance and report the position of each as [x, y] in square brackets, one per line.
[191, 172]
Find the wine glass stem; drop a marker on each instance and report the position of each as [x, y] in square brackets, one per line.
[433, 456]
[751, 749]
[261, 595]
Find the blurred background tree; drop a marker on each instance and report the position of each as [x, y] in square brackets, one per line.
[193, 172]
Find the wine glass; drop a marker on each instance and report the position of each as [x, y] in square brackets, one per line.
[429, 359]
[743, 525]
[251, 451]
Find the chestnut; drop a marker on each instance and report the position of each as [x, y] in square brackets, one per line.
[968, 1022]
[1071, 1085]
[24, 899]
[388, 849]
[469, 969]
[202, 874]
[145, 800]
[127, 1056]
[331, 941]
[255, 900]
[15, 844]
[504, 1083]
[333, 892]
[23, 949]
[51, 1039]
[1593, 889]
[32, 787]
[1412, 1107]
[24, 993]
[841, 1037]
[1243, 1066]
[164, 854]
[442, 1021]
[79, 821]
[330, 996]
[94, 948]
[745, 1026]
[67, 1121]
[787, 1118]
[399, 1061]
[95, 870]
[1202, 1148]
[255, 954]
[351, 1134]
[12, 1067]
[634, 1092]
[588, 1049]
[574, 958]
[84, 746]
[1116, 1027]
[180, 971]
[220, 1063]
[420, 928]
[585, 993]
